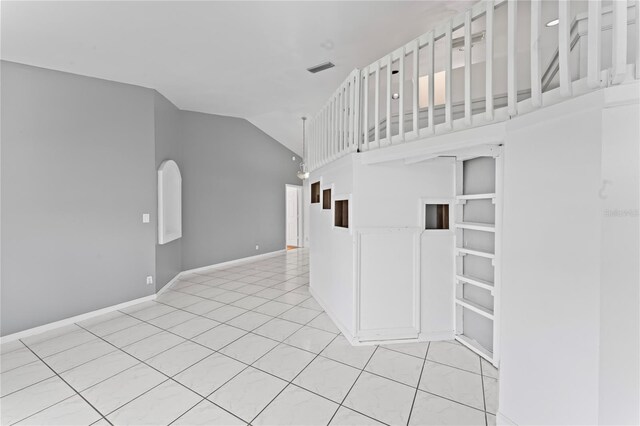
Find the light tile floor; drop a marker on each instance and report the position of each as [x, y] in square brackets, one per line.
[236, 346]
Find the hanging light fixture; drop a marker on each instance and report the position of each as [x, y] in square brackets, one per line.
[303, 173]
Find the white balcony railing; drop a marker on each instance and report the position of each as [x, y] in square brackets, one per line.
[497, 60]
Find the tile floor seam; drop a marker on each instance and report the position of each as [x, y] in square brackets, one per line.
[351, 388]
[424, 362]
[290, 381]
[71, 387]
[168, 378]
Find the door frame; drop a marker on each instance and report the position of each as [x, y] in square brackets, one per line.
[300, 215]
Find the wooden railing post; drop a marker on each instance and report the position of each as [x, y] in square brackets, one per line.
[594, 52]
[619, 55]
[489, 61]
[564, 28]
[512, 81]
[536, 83]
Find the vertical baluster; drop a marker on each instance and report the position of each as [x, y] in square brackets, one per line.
[401, 93]
[376, 107]
[352, 141]
[594, 65]
[448, 77]
[415, 87]
[489, 61]
[365, 109]
[536, 85]
[467, 67]
[388, 132]
[432, 98]
[341, 120]
[637, 8]
[564, 27]
[619, 56]
[355, 130]
[512, 84]
[347, 115]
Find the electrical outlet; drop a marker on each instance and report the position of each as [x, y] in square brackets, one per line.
[257, 247]
[145, 218]
[149, 280]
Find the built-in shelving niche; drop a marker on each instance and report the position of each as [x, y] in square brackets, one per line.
[476, 283]
[326, 199]
[436, 216]
[341, 213]
[315, 192]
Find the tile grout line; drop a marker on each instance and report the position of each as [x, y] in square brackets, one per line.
[143, 362]
[71, 387]
[290, 382]
[424, 362]
[351, 388]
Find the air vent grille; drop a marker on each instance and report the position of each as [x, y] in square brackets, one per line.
[321, 67]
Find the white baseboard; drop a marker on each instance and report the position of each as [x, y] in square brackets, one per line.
[67, 321]
[333, 317]
[502, 420]
[436, 336]
[169, 284]
[232, 262]
[82, 317]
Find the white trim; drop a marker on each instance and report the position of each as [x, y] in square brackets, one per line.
[233, 262]
[72, 320]
[169, 284]
[333, 317]
[436, 336]
[82, 317]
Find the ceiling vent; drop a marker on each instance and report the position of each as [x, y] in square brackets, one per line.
[321, 67]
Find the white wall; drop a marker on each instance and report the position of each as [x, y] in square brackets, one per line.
[551, 265]
[331, 260]
[619, 401]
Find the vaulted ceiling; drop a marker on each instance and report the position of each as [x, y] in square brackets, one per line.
[236, 58]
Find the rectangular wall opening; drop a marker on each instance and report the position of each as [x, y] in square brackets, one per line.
[436, 216]
[341, 218]
[326, 199]
[315, 192]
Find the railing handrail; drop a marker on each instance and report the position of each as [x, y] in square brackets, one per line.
[342, 125]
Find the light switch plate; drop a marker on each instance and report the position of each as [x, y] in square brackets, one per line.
[145, 218]
[149, 280]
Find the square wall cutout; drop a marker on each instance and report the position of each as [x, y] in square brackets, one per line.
[315, 192]
[341, 217]
[326, 199]
[436, 216]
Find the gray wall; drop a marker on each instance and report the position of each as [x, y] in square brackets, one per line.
[168, 147]
[78, 170]
[234, 178]
[77, 175]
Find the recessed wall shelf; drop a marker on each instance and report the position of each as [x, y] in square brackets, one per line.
[315, 192]
[463, 251]
[341, 218]
[465, 197]
[487, 313]
[169, 202]
[487, 285]
[326, 199]
[477, 226]
[436, 216]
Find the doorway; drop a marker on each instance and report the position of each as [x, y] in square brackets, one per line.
[293, 225]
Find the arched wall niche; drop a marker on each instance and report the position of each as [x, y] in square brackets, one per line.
[169, 202]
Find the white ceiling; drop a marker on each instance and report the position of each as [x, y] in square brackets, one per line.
[242, 59]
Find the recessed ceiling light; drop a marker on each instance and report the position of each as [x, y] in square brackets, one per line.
[553, 23]
[395, 96]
